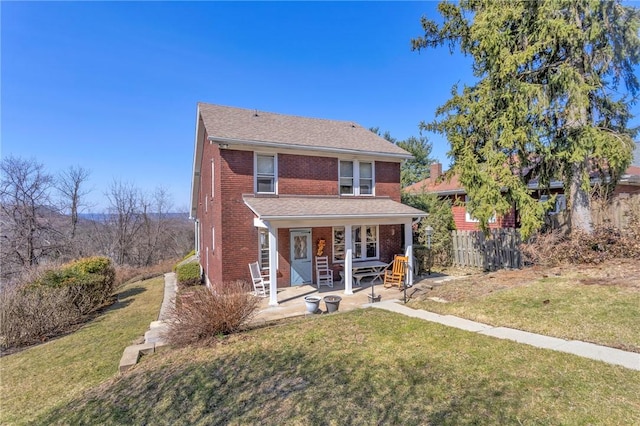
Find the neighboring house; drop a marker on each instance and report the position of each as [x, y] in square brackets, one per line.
[452, 189]
[629, 184]
[278, 189]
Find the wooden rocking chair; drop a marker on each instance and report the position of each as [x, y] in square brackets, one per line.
[395, 276]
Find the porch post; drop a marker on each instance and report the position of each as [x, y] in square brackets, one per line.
[408, 244]
[348, 257]
[273, 263]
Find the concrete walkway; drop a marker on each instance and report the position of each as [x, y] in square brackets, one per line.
[625, 359]
[153, 338]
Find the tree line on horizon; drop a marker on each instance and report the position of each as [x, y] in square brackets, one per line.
[43, 222]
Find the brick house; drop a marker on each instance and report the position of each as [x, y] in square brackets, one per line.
[628, 185]
[276, 189]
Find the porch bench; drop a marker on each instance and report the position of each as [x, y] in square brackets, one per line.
[364, 273]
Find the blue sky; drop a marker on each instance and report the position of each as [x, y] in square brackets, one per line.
[113, 86]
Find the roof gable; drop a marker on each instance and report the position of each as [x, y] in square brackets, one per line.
[258, 127]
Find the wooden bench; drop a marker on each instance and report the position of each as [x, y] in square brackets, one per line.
[364, 273]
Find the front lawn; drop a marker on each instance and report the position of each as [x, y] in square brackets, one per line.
[363, 367]
[598, 304]
[50, 375]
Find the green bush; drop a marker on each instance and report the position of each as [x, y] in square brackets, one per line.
[90, 282]
[188, 274]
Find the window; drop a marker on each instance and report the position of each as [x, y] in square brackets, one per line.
[213, 238]
[560, 206]
[366, 178]
[213, 175]
[265, 173]
[263, 248]
[364, 242]
[346, 178]
[469, 218]
[356, 178]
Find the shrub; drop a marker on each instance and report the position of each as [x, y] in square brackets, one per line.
[31, 314]
[90, 282]
[440, 219]
[201, 314]
[188, 274]
[604, 243]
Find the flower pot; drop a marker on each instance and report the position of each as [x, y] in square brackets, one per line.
[312, 303]
[332, 302]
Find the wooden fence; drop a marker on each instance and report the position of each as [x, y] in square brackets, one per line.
[497, 250]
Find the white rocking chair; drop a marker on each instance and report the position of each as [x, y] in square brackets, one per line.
[261, 283]
[324, 275]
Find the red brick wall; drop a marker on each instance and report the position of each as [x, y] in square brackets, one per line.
[236, 242]
[239, 238]
[460, 219]
[300, 175]
[390, 241]
[208, 203]
[387, 180]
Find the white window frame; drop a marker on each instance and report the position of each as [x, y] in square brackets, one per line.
[213, 239]
[468, 218]
[213, 181]
[255, 172]
[263, 249]
[363, 244]
[356, 180]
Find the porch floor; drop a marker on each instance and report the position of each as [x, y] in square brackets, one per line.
[291, 299]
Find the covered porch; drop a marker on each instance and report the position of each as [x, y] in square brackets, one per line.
[353, 219]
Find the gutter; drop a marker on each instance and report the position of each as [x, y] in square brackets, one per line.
[229, 141]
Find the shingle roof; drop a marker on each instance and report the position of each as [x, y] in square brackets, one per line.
[448, 186]
[442, 185]
[301, 207]
[224, 122]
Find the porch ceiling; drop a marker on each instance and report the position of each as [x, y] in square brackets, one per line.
[327, 208]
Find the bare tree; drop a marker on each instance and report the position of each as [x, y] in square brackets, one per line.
[123, 222]
[155, 222]
[27, 231]
[71, 187]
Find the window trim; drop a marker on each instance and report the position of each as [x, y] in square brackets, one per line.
[255, 172]
[363, 244]
[356, 181]
[213, 180]
[261, 249]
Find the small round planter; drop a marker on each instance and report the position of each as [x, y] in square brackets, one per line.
[312, 303]
[332, 302]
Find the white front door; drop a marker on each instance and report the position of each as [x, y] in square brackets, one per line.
[300, 256]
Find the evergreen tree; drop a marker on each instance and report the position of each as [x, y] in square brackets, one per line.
[548, 103]
[417, 168]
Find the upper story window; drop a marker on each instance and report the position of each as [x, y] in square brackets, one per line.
[266, 172]
[356, 177]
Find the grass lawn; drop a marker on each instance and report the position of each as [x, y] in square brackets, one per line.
[560, 306]
[363, 367]
[52, 374]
